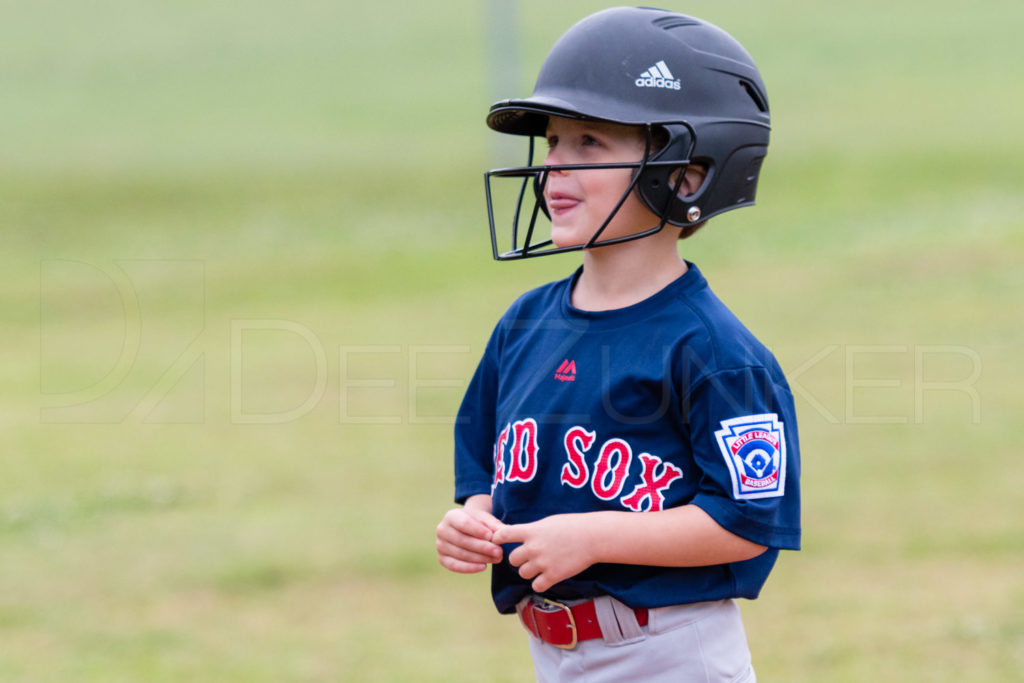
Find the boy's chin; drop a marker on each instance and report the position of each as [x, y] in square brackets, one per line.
[563, 238]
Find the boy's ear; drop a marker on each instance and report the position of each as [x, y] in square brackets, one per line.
[692, 180]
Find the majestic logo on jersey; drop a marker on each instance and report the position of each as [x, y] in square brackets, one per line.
[754, 448]
[566, 371]
[658, 76]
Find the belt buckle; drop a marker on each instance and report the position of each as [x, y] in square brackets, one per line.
[572, 623]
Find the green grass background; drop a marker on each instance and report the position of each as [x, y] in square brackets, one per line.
[247, 274]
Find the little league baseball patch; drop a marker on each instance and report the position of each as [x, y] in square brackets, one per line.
[754, 448]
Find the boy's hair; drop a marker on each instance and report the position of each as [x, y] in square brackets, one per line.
[688, 230]
[686, 82]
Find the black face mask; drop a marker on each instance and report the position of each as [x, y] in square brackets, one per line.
[652, 181]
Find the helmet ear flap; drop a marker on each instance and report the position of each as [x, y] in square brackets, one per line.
[659, 185]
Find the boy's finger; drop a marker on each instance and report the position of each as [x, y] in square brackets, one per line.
[483, 553]
[541, 584]
[461, 567]
[488, 520]
[509, 533]
[470, 525]
[518, 557]
[456, 537]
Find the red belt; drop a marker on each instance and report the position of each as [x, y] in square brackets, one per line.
[564, 626]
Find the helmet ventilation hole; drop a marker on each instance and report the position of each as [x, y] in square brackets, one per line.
[669, 23]
[759, 101]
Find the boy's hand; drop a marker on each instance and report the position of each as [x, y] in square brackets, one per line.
[464, 542]
[553, 549]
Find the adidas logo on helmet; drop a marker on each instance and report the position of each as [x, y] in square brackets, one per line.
[658, 76]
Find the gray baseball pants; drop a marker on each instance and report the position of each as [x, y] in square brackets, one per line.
[700, 643]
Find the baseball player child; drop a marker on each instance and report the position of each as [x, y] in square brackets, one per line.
[626, 455]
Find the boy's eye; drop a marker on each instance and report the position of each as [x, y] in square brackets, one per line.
[552, 141]
[589, 140]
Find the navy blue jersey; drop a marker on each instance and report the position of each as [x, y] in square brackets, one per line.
[668, 402]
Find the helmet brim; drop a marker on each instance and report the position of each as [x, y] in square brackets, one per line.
[530, 116]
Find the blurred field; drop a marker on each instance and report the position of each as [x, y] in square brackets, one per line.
[248, 274]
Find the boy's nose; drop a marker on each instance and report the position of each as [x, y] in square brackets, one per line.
[552, 159]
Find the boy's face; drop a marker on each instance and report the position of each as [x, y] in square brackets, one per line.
[580, 201]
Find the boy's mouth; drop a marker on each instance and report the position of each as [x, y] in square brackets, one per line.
[559, 203]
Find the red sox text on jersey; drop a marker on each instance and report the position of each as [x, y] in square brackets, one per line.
[606, 478]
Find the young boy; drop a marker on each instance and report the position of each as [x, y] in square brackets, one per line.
[626, 453]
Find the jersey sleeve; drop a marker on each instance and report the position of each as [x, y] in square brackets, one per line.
[474, 428]
[744, 440]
